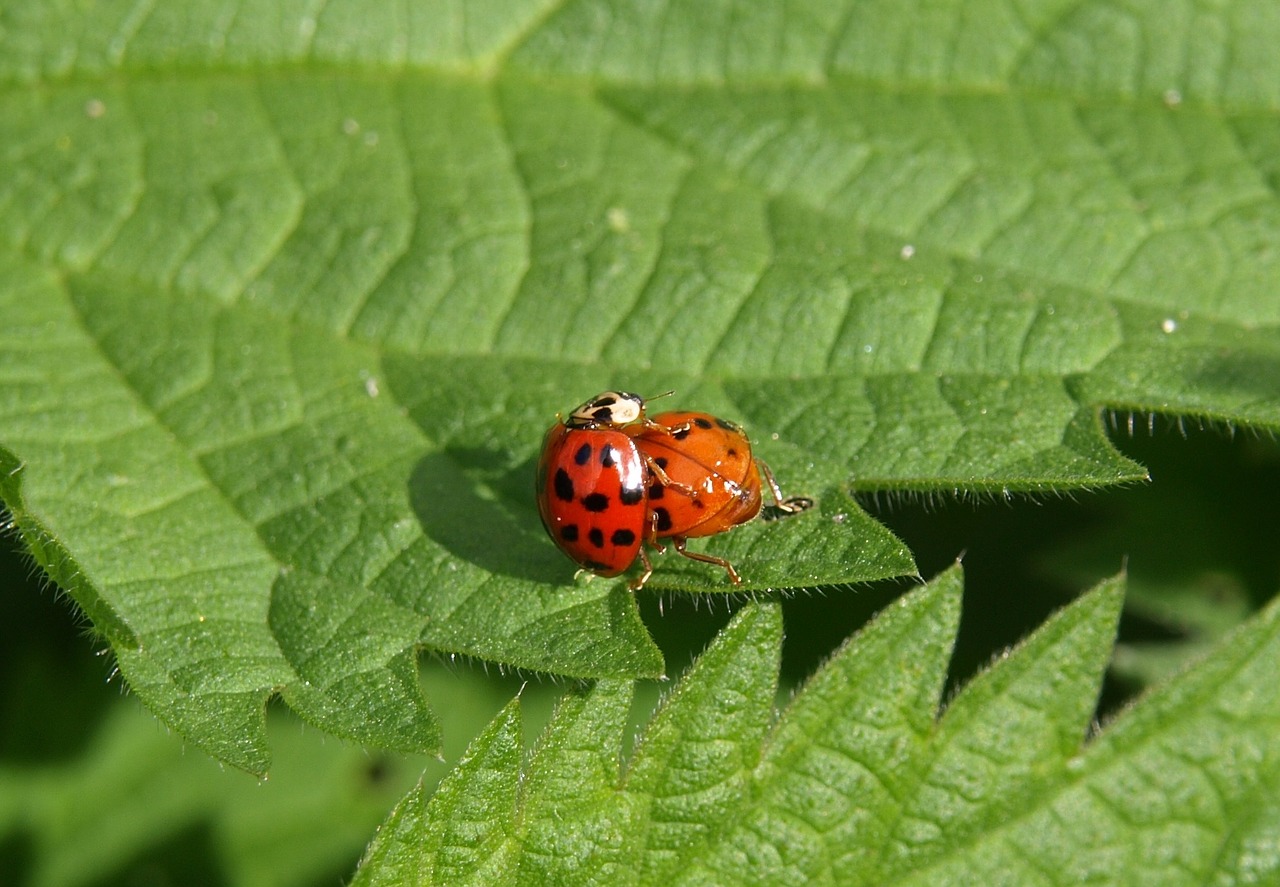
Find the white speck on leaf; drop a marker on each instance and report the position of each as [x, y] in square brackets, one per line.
[619, 221]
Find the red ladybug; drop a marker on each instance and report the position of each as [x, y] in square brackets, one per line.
[611, 480]
[591, 485]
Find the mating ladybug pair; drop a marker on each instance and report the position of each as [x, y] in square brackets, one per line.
[612, 480]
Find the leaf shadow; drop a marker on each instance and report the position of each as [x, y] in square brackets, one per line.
[485, 517]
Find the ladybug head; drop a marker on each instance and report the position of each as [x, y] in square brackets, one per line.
[608, 409]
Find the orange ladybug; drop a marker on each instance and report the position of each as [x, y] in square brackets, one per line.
[703, 480]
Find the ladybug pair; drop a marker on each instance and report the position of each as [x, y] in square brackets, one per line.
[611, 480]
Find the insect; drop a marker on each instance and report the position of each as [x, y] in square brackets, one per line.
[591, 485]
[703, 480]
[611, 480]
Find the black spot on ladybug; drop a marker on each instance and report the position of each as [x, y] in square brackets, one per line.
[702, 423]
[583, 456]
[607, 456]
[699, 504]
[603, 415]
[595, 502]
[661, 462]
[623, 537]
[731, 453]
[681, 434]
[655, 492]
[564, 486]
[663, 519]
[631, 495]
[569, 532]
[596, 535]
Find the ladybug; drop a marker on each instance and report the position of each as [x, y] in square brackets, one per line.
[703, 480]
[611, 480]
[592, 485]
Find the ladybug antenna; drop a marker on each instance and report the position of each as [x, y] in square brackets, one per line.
[663, 394]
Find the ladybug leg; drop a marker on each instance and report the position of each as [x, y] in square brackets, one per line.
[665, 479]
[790, 505]
[644, 574]
[651, 538]
[666, 429]
[680, 541]
[672, 430]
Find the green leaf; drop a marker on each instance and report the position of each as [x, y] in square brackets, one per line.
[289, 296]
[866, 778]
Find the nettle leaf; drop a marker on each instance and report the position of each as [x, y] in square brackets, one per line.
[864, 778]
[289, 297]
